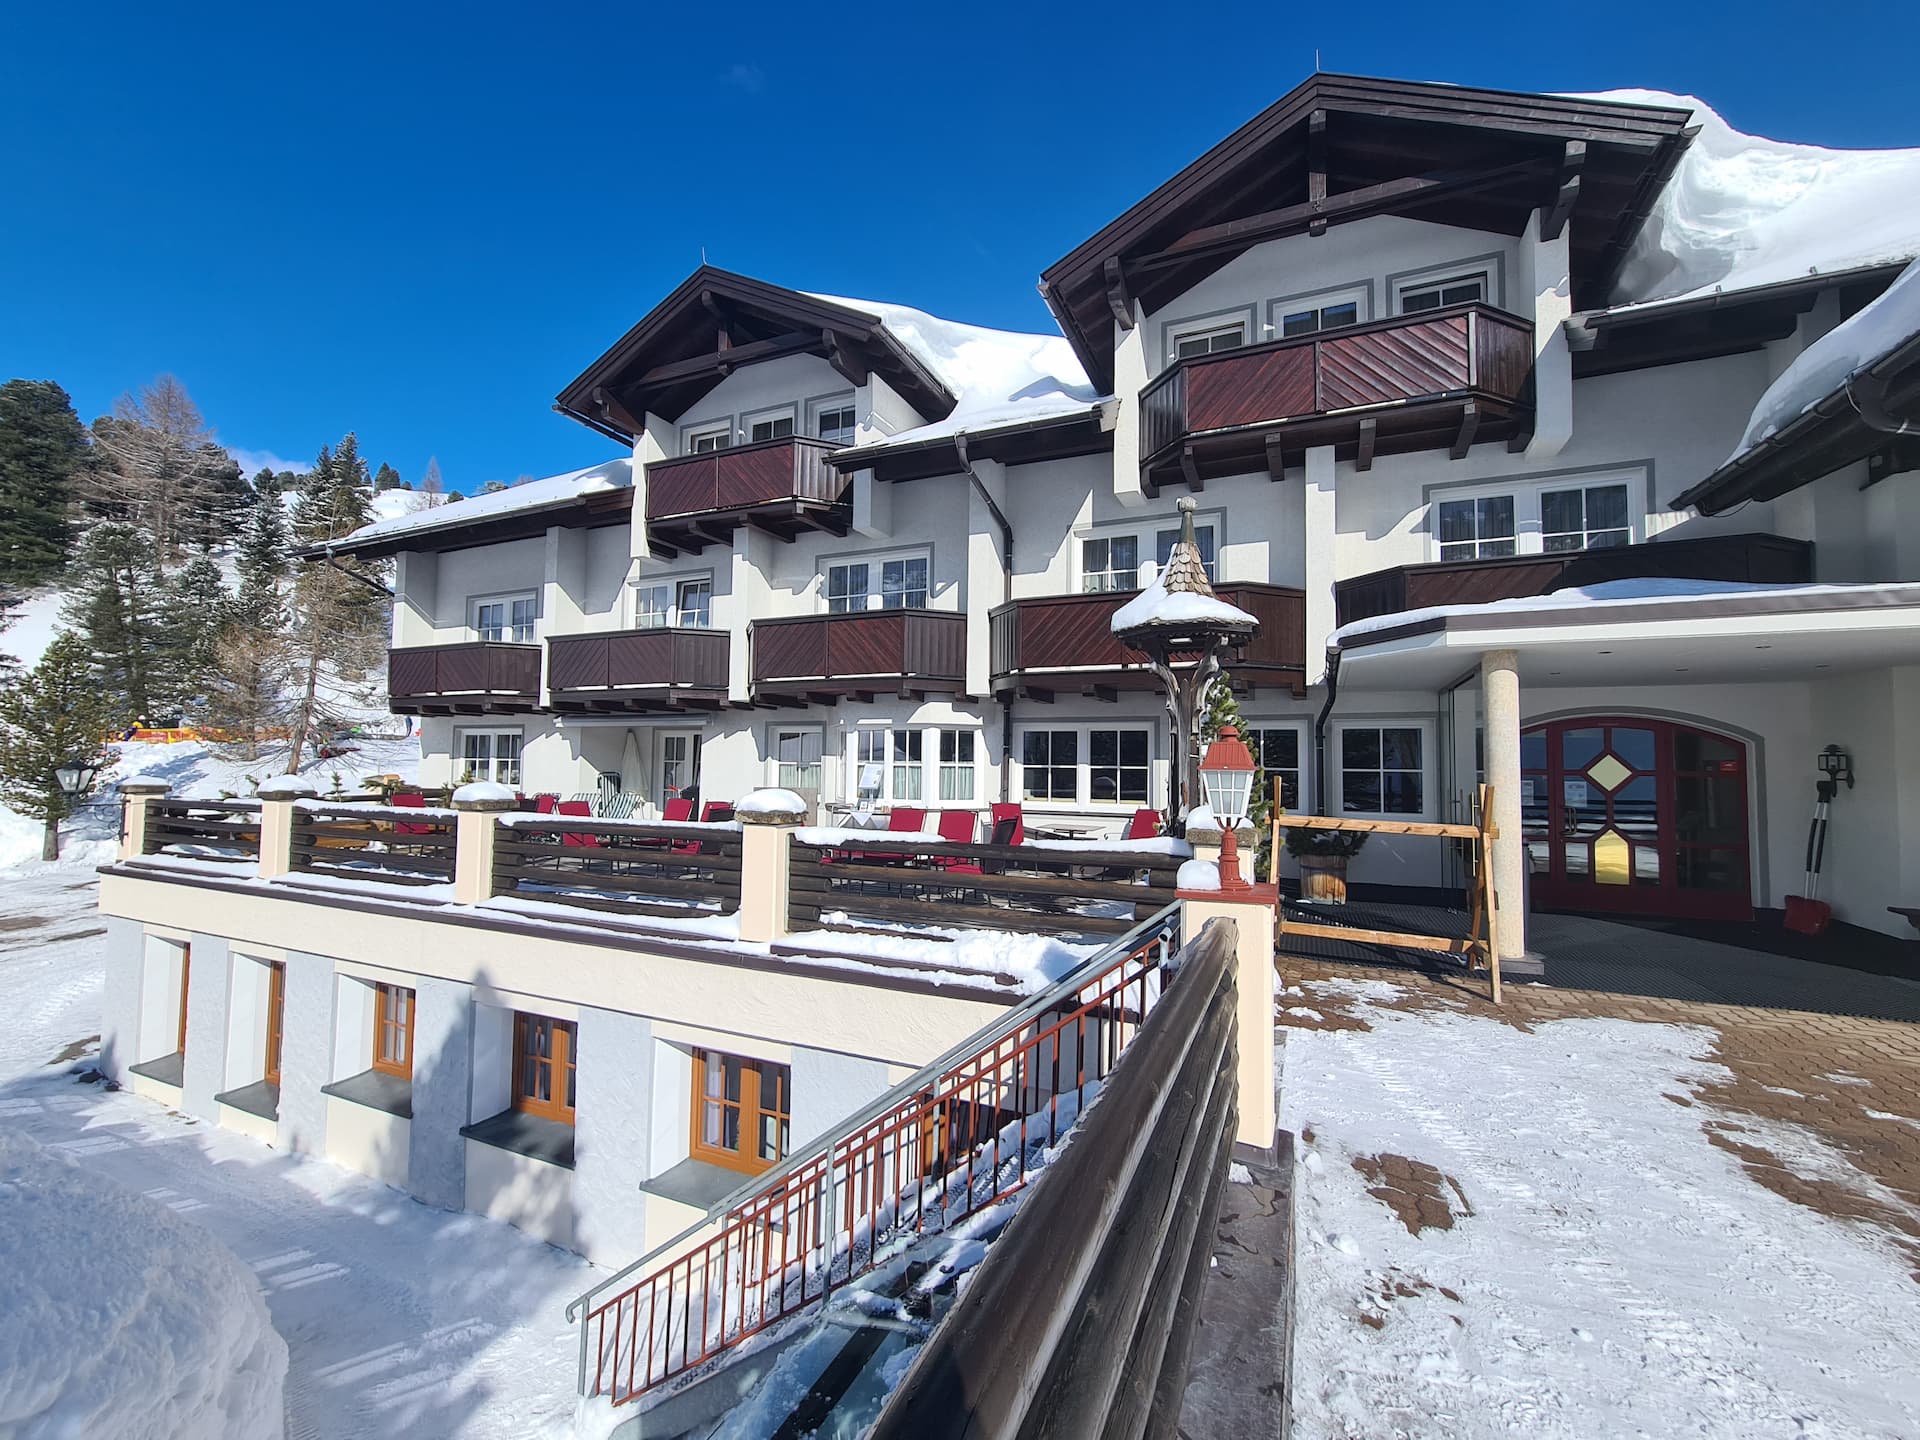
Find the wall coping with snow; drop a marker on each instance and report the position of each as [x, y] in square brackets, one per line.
[771, 807]
[485, 795]
[145, 785]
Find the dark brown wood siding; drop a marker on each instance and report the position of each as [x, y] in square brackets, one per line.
[687, 657]
[485, 673]
[874, 645]
[742, 476]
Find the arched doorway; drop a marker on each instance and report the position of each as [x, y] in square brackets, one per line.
[1644, 817]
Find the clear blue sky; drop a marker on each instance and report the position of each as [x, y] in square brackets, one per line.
[421, 226]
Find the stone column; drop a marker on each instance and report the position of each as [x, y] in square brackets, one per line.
[1252, 913]
[474, 830]
[768, 819]
[136, 793]
[276, 799]
[1500, 720]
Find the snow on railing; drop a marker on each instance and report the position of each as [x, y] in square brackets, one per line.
[958, 1135]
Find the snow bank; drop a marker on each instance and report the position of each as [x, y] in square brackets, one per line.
[1741, 210]
[122, 1318]
[34, 626]
[1198, 875]
[1155, 605]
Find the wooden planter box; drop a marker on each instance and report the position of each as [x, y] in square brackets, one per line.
[1323, 878]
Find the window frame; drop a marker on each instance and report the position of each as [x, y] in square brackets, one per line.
[719, 429]
[186, 973]
[561, 1060]
[775, 731]
[1527, 494]
[1489, 269]
[510, 630]
[1423, 728]
[1083, 732]
[1175, 332]
[677, 611]
[875, 593]
[1145, 534]
[1120, 765]
[1257, 730]
[770, 416]
[822, 405]
[494, 759]
[1359, 295]
[276, 1020]
[1114, 581]
[967, 768]
[750, 1104]
[384, 997]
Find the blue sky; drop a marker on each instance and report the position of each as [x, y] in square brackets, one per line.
[420, 222]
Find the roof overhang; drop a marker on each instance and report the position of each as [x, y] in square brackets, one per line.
[1022, 442]
[715, 322]
[1340, 148]
[1720, 637]
[579, 512]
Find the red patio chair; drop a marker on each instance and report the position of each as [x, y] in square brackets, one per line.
[676, 810]
[578, 838]
[409, 800]
[956, 827]
[1144, 825]
[716, 812]
[545, 804]
[1017, 834]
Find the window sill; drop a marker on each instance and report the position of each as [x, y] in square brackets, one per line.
[376, 1090]
[262, 1098]
[533, 1136]
[168, 1069]
[698, 1183]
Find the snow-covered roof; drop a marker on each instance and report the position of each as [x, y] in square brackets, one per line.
[1156, 605]
[1741, 210]
[555, 490]
[999, 378]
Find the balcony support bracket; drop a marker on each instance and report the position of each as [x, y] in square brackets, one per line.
[1463, 437]
[1568, 195]
[1363, 457]
[1119, 301]
[1276, 459]
[1190, 470]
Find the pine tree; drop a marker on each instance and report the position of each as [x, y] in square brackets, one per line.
[246, 700]
[42, 448]
[262, 557]
[221, 509]
[53, 714]
[196, 609]
[117, 608]
[387, 478]
[1223, 709]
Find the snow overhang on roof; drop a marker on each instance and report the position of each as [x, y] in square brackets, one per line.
[1340, 148]
[597, 495]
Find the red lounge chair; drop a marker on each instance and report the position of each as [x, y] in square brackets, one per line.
[716, 812]
[676, 810]
[545, 804]
[1017, 835]
[409, 800]
[1144, 825]
[957, 827]
[578, 837]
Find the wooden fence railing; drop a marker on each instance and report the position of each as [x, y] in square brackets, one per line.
[373, 842]
[1095, 888]
[204, 829]
[629, 867]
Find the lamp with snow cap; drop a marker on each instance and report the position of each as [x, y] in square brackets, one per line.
[1227, 772]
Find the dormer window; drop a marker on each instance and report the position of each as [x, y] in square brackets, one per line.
[1433, 294]
[774, 427]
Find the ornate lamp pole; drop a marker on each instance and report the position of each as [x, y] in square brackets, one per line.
[1228, 771]
[1183, 629]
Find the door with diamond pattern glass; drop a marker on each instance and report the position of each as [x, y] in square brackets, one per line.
[1638, 816]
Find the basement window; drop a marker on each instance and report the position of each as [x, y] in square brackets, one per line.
[742, 1111]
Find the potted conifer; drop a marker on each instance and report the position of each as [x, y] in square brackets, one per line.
[1322, 856]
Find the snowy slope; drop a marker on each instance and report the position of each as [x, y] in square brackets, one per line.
[33, 627]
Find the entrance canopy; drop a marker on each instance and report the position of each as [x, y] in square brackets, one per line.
[1642, 632]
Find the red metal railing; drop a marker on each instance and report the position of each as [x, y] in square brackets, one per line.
[954, 1138]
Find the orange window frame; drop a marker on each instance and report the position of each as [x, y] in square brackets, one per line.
[393, 1030]
[186, 970]
[543, 1061]
[276, 1018]
[766, 1094]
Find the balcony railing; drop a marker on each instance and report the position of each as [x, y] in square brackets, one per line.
[1062, 641]
[1758, 559]
[1410, 378]
[476, 677]
[655, 669]
[695, 500]
[863, 651]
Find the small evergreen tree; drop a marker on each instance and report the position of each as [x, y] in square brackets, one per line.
[262, 557]
[386, 478]
[195, 610]
[117, 608]
[42, 449]
[1223, 709]
[53, 714]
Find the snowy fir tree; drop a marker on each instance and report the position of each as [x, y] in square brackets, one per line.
[117, 606]
[196, 609]
[53, 714]
[247, 700]
[261, 557]
[387, 478]
[42, 449]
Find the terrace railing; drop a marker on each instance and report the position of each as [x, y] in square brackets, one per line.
[630, 867]
[204, 829]
[382, 843]
[957, 1136]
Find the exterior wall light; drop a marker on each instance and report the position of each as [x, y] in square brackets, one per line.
[1227, 772]
[1836, 765]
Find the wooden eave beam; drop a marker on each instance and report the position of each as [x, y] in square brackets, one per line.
[1190, 469]
[1276, 459]
[1568, 195]
[1119, 299]
[791, 343]
[1363, 457]
[613, 409]
[852, 368]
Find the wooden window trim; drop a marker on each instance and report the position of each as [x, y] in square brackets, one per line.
[383, 1021]
[751, 1114]
[560, 1063]
[276, 1019]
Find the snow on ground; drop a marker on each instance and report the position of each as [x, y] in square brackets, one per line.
[1586, 1263]
[33, 627]
[179, 1344]
[399, 1319]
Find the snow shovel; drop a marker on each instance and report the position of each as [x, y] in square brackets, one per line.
[1808, 914]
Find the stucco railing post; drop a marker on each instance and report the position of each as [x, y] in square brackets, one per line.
[768, 819]
[137, 794]
[1252, 913]
[476, 826]
[276, 799]
[1500, 704]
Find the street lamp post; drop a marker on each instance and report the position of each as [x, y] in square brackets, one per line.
[1227, 771]
[75, 778]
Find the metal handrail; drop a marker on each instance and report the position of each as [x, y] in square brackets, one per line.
[1162, 924]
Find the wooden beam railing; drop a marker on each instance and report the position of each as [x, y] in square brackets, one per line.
[203, 829]
[381, 843]
[626, 867]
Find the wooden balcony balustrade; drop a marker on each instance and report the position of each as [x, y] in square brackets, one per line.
[480, 677]
[863, 653]
[1065, 643]
[1751, 559]
[784, 485]
[1441, 379]
[663, 668]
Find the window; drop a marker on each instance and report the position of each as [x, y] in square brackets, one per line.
[1432, 294]
[543, 1066]
[774, 427]
[796, 755]
[1381, 771]
[276, 1020]
[869, 763]
[509, 618]
[1588, 518]
[903, 584]
[846, 588]
[1309, 314]
[956, 765]
[1278, 751]
[742, 1111]
[661, 603]
[490, 755]
[1479, 529]
[835, 423]
[393, 1030]
[708, 438]
[1208, 339]
[1117, 769]
[909, 769]
[1110, 564]
[1165, 540]
[1050, 764]
[679, 765]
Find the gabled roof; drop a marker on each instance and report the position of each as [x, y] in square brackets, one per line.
[581, 499]
[1340, 148]
[716, 321]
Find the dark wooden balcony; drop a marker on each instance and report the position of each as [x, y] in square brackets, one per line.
[1064, 644]
[1439, 380]
[785, 486]
[479, 677]
[1750, 559]
[660, 669]
[805, 658]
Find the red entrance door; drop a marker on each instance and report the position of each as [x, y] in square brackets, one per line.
[1644, 817]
